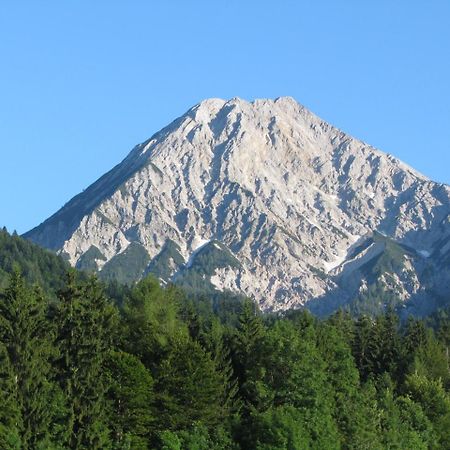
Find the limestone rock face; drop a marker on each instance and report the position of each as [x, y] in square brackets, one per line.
[288, 195]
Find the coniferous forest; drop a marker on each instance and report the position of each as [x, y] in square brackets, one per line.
[86, 364]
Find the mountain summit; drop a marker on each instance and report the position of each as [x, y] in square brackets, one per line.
[266, 199]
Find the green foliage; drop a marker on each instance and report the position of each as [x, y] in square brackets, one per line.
[27, 342]
[435, 402]
[128, 266]
[247, 358]
[353, 411]
[10, 414]
[168, 260]
[88, 260]
[279, 428]
[376, 345]
[190, 389]
[213, 255]
[85, 329]
[130, 392]
[197, 437]
[34, 263]
[151, 323]
[397, 430]
[150, 367]
[295, 373]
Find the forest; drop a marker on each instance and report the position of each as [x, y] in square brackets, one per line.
[89, 364]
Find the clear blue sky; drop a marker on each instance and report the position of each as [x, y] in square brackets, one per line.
[82, 82]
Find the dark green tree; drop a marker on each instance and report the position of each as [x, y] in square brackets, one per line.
[386, 337]
[130, 391]
[189, 388]
[247, 359]
[27, 340]
[295, 375]
[86, 323]
[10, 417]
[435, 403]
[355, 416]
[151, 322]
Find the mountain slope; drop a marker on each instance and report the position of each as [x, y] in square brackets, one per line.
[285, 193]
[35, 263]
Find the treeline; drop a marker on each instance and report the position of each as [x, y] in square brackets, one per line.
[155, 370]
[35, 263]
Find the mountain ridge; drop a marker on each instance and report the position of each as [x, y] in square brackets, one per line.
[288, 194]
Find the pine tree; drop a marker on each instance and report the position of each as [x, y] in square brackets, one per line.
[189, 388]
[130, 391]
[246, 357]
[27, 340]
[86, 324]
[151, 322]
[354, 415]
[296, 375]
[10, 417]
[363, 349]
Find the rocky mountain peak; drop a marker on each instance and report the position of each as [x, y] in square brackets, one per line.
[265, 183]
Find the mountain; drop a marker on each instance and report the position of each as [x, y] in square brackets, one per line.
[266, 199]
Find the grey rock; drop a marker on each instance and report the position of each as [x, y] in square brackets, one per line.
[288, 194]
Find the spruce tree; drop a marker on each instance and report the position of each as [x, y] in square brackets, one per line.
[130, 392]
[363, 349]
[190, 389]
[151, 322]
[354, 415]
[27, 341]
[296, 375]
[86, 325]
[10, 417]
[246, 357]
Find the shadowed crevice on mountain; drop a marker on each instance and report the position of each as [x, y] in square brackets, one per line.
[291, 197]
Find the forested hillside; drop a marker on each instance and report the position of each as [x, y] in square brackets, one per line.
[84, 364]
[35, 263]
[164, 372]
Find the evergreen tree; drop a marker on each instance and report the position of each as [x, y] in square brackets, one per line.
[151, 322]
[216, 342]
[397, 430]
[355, 416]
[27, 341]
[435, 402]
[387, 338]
[364, 351]
[415, 335]
[247, 358]
[295, 374]
[189, 388]
[86, 324]
[198, 437]
[130, 391]
[429, 358]
[10, 417]
[344, 323]
[279, 428]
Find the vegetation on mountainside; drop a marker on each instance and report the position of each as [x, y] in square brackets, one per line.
[128, 266]
[36, 264]
[145, 367]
